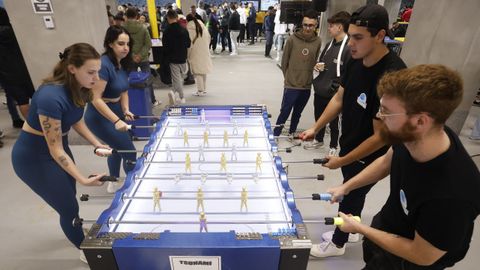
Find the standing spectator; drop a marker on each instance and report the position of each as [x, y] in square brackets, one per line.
[407, 13]
[358, 102]
[142, 44]
[198, 53]
[202, 12]
[268, 28]
[301, 53]
[119, 19]
[193, 11]
[234, 28]
[330, 67]
[175, 44]
[213, 28]
[243, 22]
[14, 76]
[281, 33]
[252, 15]
[224, 17]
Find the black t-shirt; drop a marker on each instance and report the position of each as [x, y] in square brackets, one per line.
[439, 199]
[361, 102]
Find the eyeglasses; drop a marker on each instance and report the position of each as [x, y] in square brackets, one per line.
[306, 25]
[381, 114]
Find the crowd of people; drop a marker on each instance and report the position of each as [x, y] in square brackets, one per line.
[393, 121]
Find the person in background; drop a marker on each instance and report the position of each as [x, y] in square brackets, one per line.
[268, 28]
[106, 114]
[234, 28]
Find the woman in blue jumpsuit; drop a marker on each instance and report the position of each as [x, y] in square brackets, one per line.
[106, 114]
[41, 156]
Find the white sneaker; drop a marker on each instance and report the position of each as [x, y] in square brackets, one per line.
[156, 103]
[312, 145]
[233, 53]
[183, 100]
[111, 187]
[332, 152]
[171, 98]
[326, 249]
[199, 94]
[82, 257]
[352, 237]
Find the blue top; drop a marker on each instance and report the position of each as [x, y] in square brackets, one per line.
[55, 101]
[117, 79]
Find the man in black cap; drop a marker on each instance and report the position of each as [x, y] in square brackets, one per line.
[357, 101]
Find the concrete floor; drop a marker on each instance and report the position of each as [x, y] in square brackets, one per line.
[30, 230]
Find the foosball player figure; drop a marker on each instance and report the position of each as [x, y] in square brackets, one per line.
[177, 178]
[205, 139]
[223, 163]
[258, 163]
[203, 222]
[168, 149]
[245, 138]
[235, 127]
[185, 139]
[203, 178]
[188, 163]
[201, 155]
[229, 178]
[157, 194]
[234, 153]
[200, 199]
[243, 198]
[225, 138]
[179, 129]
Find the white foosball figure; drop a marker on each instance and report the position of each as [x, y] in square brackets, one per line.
[235, 127]
[157, 194]
[203, 178]
[185, 139]
[200, 199]
[201, 155]
[168, 149]
[177, 178]
[255, 178]
[229, 178]
[207, 127]
[202, 116]
[188, 163]
[223, 163]
[243, 199]
[205, 139]
[178, 130]
[225, 138]
[234, 153]
[258, 163]
[203, 222]
[245, 138]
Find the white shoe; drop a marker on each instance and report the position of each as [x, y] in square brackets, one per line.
[111, 187]
[82, 257]
[171, 98]
[326, 249]
[332, 152]
[233, 53]
[312, 145]
[352, 237]
[183, 100]
[156, 103]
[199, 94]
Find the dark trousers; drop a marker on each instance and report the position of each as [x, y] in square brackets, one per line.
[353, 202]
[268, 42]
[214, 39]
[145, 67]
[241, 37]
[295, 99]
[12, 108]
[225, 38]
[320, 104]
[252, 31]
[378, 259]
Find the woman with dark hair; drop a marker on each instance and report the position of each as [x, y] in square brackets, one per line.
[109, 109]
[41, 156]
[199, 53]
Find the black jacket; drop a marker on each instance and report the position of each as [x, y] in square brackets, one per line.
[234, 22]
[175, 43]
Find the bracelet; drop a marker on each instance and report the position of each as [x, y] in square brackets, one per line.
[117, 121]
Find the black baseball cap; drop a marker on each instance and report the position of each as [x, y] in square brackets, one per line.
[372, 16]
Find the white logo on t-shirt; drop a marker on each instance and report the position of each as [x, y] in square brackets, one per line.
[362, 100]
[403, 201]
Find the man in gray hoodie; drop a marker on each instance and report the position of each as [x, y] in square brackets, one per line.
[300, 54]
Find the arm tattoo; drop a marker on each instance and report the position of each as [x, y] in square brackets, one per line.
[46, 124]
[63, 160]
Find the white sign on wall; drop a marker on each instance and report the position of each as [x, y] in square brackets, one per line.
[42, 6]
[195, 262]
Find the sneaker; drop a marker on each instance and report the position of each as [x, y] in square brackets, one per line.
[199, 94]
[332, 152]
[291, 139]
[111, 187]
[171, 98]
[312, 145]
[183, 100]
[352, 237]
[156, 103]
[233, 53]
[326, 249]
[82, 257]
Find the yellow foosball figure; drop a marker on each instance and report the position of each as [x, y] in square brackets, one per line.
[245, 138]
[205, 139]
[225, 138]
[185, 139]
[157, 194]
[223, 163]
[258, 163]
[243, 199]
[200, 199]
[203, 222]
[188, 163]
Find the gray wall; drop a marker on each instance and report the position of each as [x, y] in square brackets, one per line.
[447, 32]
[75, 21]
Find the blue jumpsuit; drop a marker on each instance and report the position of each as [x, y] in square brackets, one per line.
[35, 166]
[117, 82]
